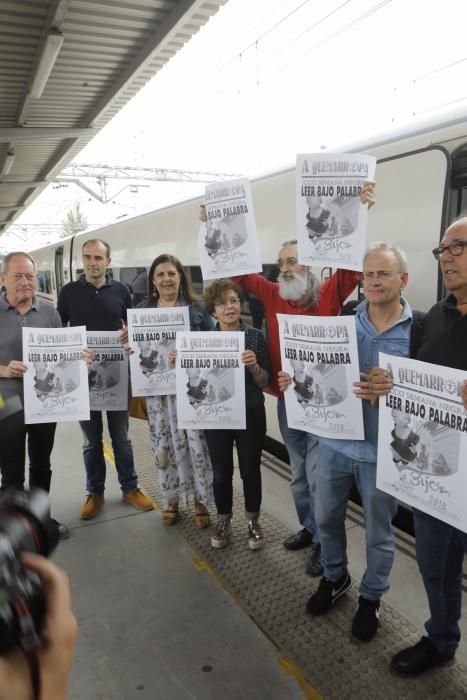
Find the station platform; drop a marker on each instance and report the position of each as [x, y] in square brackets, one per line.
[163, 615]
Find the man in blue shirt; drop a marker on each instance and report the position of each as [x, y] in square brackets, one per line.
[383, 323]
[100, 303]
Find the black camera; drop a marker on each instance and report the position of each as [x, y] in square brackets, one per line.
[25, 526]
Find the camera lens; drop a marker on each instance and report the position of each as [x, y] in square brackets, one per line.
[25, 526]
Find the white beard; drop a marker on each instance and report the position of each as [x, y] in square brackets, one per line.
[293, 289]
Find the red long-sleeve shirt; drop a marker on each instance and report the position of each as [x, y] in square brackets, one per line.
[332, 294]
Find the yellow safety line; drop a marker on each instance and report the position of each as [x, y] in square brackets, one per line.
[109, 454]
[287, 667]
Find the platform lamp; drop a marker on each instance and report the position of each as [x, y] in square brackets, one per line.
[52, 46]
[8, 162]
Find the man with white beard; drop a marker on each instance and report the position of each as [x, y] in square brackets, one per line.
[299, 292]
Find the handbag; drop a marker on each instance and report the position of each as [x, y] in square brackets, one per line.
[137, 407]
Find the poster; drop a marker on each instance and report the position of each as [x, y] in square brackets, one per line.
[331, 221]
[211, 380]
[56, 381]
[228, 243]
[151, 336]
[320, 354]
[422, 439]
[108, 374]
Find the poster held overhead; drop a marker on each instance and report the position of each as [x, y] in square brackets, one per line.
[227, 242]
[331, 220]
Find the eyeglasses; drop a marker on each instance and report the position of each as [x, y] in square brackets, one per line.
[455, 248]
[379, 274]
[288, 261]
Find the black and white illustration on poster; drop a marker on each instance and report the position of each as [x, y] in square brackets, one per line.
[422, 439]
[320, 354]
[228, 243]
[108, 374]
[56, 381]
[331, 220]
[151, 336]
[211, 380]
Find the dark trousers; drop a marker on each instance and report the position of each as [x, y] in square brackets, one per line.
[440, 551]
[40, 441]
[249, 443]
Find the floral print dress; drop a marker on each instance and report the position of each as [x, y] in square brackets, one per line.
[181, 456]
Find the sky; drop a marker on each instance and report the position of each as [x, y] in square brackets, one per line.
[263, 81]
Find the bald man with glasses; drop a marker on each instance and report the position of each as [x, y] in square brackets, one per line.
[440, 547]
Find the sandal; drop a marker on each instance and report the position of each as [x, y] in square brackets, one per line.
[170, 517]
[202, 517]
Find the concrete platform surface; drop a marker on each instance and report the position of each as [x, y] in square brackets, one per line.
[154, 623]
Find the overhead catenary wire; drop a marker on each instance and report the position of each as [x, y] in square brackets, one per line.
[254, 43]
[319, 44]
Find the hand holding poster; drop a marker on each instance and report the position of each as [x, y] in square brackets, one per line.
[228, 243]
[211, 380]
[151, 336]
[320, 354]
[422, 439]
[331, 220]
[108, 374]
[56, 381]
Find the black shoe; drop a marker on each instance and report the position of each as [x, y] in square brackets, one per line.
[299, 540]
[365, 622]
[327, 594]
[314, 567]
[420, 658]
[63, 531]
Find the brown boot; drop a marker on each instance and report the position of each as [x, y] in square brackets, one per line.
[91, 506]
[138, 499]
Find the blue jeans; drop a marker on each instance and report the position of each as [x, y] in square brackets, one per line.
[336, 474]
[93, 451]
[303, 450]
[440, 555]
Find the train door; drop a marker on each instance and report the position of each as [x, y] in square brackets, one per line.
[59, 277]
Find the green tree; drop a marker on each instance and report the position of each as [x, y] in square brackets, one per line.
[74, 222]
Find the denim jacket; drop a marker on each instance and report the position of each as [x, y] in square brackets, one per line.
[393, 341]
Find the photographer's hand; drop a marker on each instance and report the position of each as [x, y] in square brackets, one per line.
[59, 635]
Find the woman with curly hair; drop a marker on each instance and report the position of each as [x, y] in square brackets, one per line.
[223, 299]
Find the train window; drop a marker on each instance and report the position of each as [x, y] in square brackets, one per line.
[136, 279]
[194, 273]
[44, 281]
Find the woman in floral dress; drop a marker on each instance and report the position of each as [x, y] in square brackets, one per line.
[181, 456]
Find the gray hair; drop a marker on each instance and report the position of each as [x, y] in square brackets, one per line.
[292, 241]
[387, 247]
[16, 253]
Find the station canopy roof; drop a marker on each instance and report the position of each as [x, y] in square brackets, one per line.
[66, 68]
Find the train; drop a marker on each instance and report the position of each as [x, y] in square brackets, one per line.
[421, 185]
